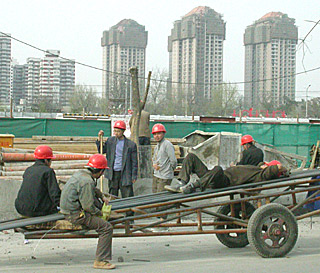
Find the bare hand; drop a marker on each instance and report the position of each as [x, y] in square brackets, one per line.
[134, 181]
[156, 167]
[101, 133]
[232, 164]
[105, 200]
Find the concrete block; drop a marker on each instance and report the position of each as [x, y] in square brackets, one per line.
[8, 192]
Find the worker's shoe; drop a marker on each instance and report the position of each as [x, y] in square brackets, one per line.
[175, 185]
[103, 265]
[190, 187]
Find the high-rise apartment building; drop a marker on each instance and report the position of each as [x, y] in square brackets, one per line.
[5, 69]
[19, 83]
[32, 77]
[123, 46]
[51, 77]
[196, 52]
[270, 60]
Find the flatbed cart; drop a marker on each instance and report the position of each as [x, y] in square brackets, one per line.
[238, 215]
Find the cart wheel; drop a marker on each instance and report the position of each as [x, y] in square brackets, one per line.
[272, 230]
[233, 240]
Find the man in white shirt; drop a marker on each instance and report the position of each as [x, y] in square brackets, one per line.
[164, 159]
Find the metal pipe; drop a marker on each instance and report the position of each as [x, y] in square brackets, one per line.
[162, 221]
[78, 236]
[305, 201]
[54, 166]
[30, 157]
[315, 212]
[20, 173]
[117, 226]
[54, 163]
[211, 193]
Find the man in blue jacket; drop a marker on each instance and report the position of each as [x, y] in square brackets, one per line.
[122, 158]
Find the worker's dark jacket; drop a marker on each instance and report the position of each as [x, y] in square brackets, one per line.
[251, 156]
[39, 193]
[129, 170]
[250, 174]
[79, 194]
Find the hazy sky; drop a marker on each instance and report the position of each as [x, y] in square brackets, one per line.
[75, 28]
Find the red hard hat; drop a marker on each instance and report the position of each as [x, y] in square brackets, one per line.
[157, 128]
[272, 163]
[246, 139]
[98, 161]
[43, 152]
[120, 124]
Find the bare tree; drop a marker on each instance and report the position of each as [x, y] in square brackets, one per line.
[44, 104]
[313, 108]
[137, 104]
[84, 98]
[225, 98]
[157, 97]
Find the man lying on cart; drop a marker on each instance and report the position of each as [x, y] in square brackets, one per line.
[219, 178]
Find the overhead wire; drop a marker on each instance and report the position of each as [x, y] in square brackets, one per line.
[166, 81]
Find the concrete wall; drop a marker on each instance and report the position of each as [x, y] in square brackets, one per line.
[8, 192]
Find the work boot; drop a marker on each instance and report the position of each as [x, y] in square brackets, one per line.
[103, 265]
[190, 187]
[175, 185]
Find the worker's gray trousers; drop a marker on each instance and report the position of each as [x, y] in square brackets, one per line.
[214, 178]
[158, 186]
[104, 230]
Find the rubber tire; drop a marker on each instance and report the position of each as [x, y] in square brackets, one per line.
[255, 229]
[230, 241]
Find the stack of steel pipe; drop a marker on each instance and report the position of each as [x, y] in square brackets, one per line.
[162, 197]
[13, 162]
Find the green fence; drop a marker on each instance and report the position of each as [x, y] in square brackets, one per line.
[291, 138]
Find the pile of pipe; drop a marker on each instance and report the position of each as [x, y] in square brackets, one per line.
[13, 162]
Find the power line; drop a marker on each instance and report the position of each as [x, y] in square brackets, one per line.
[165, 81]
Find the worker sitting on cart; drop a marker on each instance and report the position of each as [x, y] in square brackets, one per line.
[219, 178]
[78, 204]
[251, 155]
[39, 193]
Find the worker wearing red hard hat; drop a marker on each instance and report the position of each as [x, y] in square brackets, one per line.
[78, 204]
[164, 159]
[39, 193]
[121, 154]
[251, 155]
[219, 178]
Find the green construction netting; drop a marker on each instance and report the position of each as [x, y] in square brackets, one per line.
[291, 138]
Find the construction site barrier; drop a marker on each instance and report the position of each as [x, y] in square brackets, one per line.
[290, 138]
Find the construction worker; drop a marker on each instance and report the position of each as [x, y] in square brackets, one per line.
[164, 159]
[144, 131]
[251, 155]
[219, 178]
[77, 203]
[121, 154]
[39, 193]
